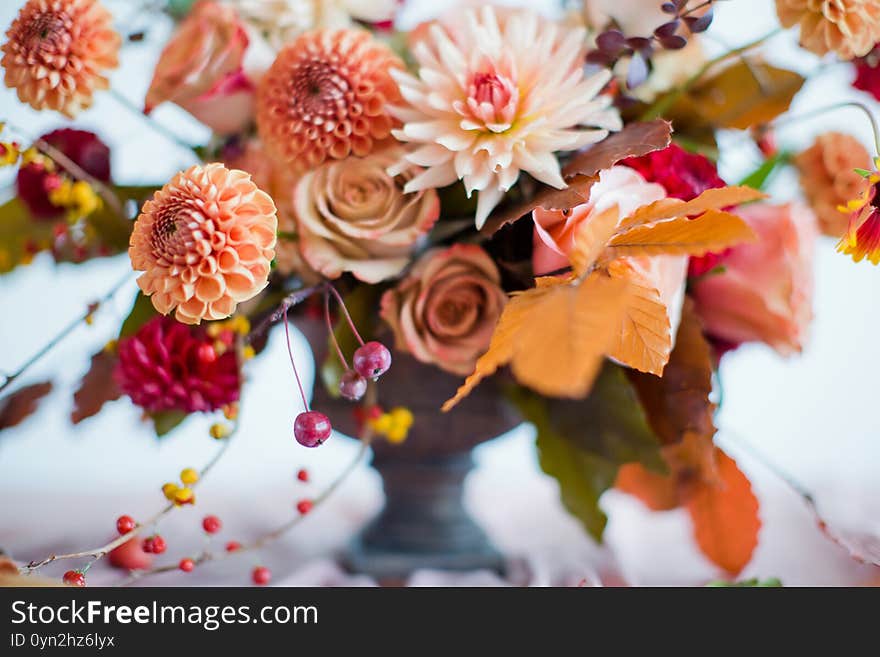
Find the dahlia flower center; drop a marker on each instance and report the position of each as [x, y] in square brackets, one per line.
[492, 100]
[173, 233]
[318, 90]
[45, 31]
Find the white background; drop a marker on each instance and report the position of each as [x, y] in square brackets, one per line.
[815, 416]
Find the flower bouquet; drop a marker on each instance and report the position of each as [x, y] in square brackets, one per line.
[494, 216]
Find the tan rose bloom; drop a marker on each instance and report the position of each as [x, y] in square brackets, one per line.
[445, 311]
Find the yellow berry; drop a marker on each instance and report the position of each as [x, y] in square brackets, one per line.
[397, 435]
[241, 324]
[111, 346]
[189, 476]
[218, 431]
[402, 416]
[184, 496]
[219, 347]
[382, 424]
[169, 490]
[214, 329]
[230, 411]
[248, 352]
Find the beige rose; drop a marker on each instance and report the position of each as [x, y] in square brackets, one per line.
[351, 215]
[445, 310]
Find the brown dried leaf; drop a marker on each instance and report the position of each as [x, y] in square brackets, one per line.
[97, 387]
[20, 404]
[634, 140]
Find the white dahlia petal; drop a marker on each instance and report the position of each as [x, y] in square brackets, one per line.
[485, 105]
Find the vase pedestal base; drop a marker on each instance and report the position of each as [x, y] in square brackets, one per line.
[424, 524]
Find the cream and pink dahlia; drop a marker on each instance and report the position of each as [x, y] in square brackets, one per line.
[326, 97]
[167, 366]
[497, 94]
[205, 242]
[57, 51]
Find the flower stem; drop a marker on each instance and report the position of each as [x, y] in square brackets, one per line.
[345, 310]
[331, 332]
[293, 362]
[831, 108]
[155, 125]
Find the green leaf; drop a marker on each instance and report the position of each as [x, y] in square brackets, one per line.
[771, 582]
[759, 177]
[864, 173]
[361, 303]
[582, 443]
[165, 421]
[141, 312]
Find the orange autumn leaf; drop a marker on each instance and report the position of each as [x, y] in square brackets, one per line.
[657, 492]
[591, 238]
[712, 231]
[554, 337]
[678, 403]
[672, 208]
[725, 516]
[644, 339]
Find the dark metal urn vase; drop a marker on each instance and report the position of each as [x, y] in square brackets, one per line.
[423, 523]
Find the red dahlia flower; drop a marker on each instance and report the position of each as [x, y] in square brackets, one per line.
[685, 176]
[168, 366]
[35, 181]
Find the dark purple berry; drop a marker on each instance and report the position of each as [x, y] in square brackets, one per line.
[352, 386]
[311, 428]
[372, 360]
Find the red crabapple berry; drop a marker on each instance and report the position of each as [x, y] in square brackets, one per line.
[74, 578]
[155, 544]
[352, 386]
[233, 546]
[303, 475]
[311, 428]
[261, 575]
[304, 506]
[125, 524]
[186, 565]
[372, 360]
[211, 524]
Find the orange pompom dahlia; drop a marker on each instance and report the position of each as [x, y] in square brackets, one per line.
[326, 96]
[56, 52]
[205, 242]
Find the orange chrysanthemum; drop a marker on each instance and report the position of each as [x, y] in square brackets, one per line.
[326, 96]
[56, 52]
[205, 242]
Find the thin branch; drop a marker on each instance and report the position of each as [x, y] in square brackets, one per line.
[366, 438]
[10, 379]
[155, 125]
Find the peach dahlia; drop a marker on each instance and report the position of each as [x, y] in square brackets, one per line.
[57, 51]
[326, 96]
[205, 242]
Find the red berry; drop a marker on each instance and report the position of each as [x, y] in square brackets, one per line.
[206, 353]
[311, 428]
[352, 386]
[125, 524]
[155, 544]
[302, 474]
[232, 546]
[74, 578]
[186, 565]
[261, 575]
[211, 524]
[372, 360]
[304, 506]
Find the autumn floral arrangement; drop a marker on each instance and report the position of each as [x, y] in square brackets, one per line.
[495, 193]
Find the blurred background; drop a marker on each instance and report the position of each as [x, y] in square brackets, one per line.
[811, 417]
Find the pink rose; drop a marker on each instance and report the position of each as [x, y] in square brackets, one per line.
[208, 69]
[445, 310]
[555, 229]
[351, 215]
[625, 188]
[765, 292]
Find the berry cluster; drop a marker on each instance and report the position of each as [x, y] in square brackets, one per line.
[184, 494]
[613, 45]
